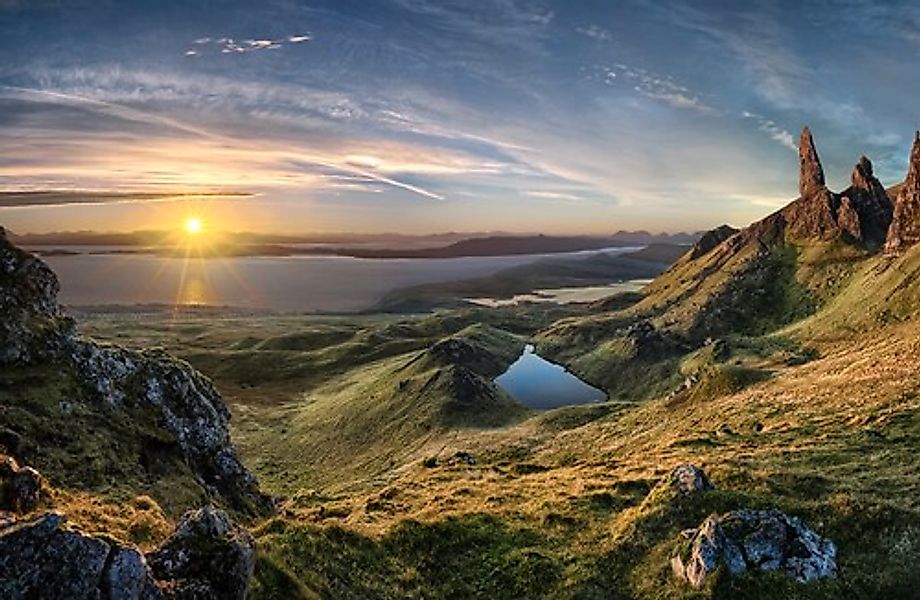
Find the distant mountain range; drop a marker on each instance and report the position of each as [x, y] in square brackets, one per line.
[444, 245]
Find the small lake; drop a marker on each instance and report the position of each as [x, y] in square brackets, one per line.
[538, 383]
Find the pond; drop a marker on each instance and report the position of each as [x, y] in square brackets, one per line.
[538, 383]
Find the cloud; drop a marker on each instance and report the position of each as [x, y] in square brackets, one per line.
[656, 87]
[31, 198]
[228, 45]
[596, 33]
[774, 131]
[547, 195]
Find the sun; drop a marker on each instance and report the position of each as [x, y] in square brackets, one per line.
[193, 225]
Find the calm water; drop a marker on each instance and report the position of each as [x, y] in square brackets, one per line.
[535, 382]
[301, 283]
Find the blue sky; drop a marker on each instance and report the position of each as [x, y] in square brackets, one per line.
[424, 115]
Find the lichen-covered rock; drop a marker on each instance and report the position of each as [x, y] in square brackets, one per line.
[43, 559]
[905, 227]
[744, 540]
[20, 487]
[689, 479]
[681, 482]
[208, 556]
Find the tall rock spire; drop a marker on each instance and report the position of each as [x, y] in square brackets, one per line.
[811, 174]
[905, 227]
[814, 214]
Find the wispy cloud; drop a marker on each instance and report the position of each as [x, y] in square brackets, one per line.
[548, 195]
[774, 131]
[656, 87]
[596, 33]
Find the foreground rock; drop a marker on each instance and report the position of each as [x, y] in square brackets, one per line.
[207, 557]
[748, 540]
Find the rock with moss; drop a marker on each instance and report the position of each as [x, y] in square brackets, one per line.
[208, 556]
[681, 482]
[181, 401]
[753, 540]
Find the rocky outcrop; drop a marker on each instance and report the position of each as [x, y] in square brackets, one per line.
[28, 303]
[186, 404]
[207, 557]
[905, 226]
[20, 487]
[746, 540]
[861, 213]
[183, 402]
[865, 209]
[711, 239]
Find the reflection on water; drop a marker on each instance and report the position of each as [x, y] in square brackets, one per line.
[535, 382]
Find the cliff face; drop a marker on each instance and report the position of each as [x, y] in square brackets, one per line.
[183, 415]
[905, 227]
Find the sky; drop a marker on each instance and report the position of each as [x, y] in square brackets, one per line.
[443, 115]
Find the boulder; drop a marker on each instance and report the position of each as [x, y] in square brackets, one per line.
[208, 556]
[748, 540]
[689, 479]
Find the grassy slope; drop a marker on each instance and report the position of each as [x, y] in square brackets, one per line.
[819, 418]
[554, 507]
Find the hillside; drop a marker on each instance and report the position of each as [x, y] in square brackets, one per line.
[780, 359]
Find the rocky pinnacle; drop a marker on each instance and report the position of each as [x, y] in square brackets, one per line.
[905, 228]
[811, 174]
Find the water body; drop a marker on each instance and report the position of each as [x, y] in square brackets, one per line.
[538, 383]
[290, 284]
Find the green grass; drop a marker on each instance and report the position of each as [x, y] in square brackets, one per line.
[806, 400]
